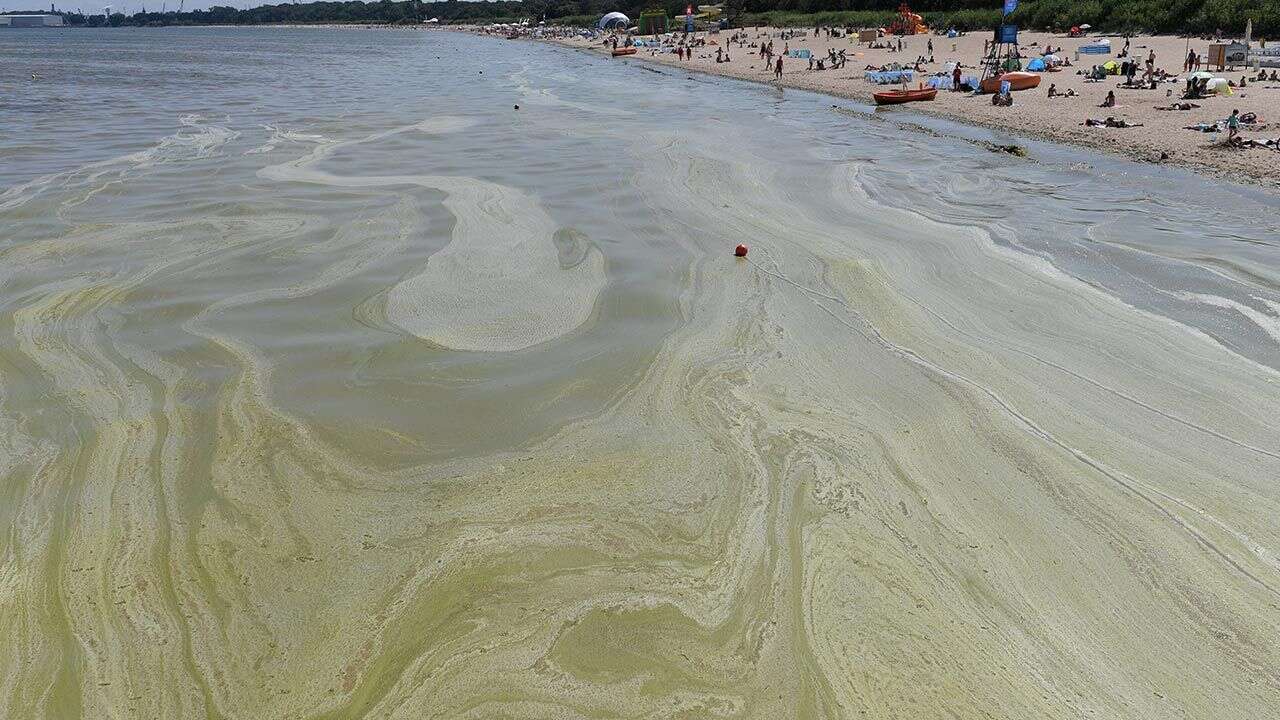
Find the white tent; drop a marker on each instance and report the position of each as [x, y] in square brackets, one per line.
[613, 19]
[1220, 86]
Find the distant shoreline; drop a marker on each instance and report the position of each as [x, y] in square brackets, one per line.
[317, 26]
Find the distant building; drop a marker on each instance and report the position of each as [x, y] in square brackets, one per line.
[30, 21]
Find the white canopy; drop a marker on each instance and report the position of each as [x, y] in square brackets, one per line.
[612, 19]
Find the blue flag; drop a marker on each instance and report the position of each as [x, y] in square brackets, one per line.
[1010, 6]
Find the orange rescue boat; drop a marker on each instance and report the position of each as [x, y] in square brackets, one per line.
[1018, 80]
[624, 51]
[897, 97]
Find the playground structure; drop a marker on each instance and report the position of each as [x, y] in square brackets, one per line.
[653, 21]
[907, 22]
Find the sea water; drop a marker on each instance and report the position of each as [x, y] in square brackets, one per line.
[353, 373]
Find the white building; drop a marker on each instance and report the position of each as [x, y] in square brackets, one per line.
[30, 21]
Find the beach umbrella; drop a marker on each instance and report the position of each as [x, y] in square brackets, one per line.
[1201, 75]
[1086, 26]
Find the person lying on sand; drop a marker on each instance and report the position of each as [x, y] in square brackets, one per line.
[1205, 127]
[1110, 122]
[1053, 92]
[1178, 106]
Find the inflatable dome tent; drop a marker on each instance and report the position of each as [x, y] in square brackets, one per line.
[614, 19]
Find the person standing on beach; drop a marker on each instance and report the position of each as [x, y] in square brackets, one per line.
[1233, 128]
[777, 69]
[1191, 56]
[930, 47]
[955, 78]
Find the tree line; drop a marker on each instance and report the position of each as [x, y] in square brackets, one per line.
[1196, 17]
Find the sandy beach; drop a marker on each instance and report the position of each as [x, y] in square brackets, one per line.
[1034, 113]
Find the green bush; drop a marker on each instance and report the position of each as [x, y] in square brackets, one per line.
[1197, 17]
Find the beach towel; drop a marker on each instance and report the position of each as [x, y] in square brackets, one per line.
[1100, 47]
[945, 82]
[890, 77]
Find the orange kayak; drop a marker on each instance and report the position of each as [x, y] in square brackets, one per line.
[897, 97]
[624, 51]
[1018, 80]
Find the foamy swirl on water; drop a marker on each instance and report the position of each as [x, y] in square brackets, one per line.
[498, 285]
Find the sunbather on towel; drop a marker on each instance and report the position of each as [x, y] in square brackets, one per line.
[1110, 122]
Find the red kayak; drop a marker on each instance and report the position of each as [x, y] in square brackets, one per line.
[1018, 80]
[897, 97]
[624, 51]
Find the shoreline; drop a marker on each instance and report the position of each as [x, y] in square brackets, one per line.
[1187, 150]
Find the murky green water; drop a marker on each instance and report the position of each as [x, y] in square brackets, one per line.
[332, 385]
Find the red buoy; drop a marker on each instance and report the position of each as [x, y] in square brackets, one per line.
[740, 251]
